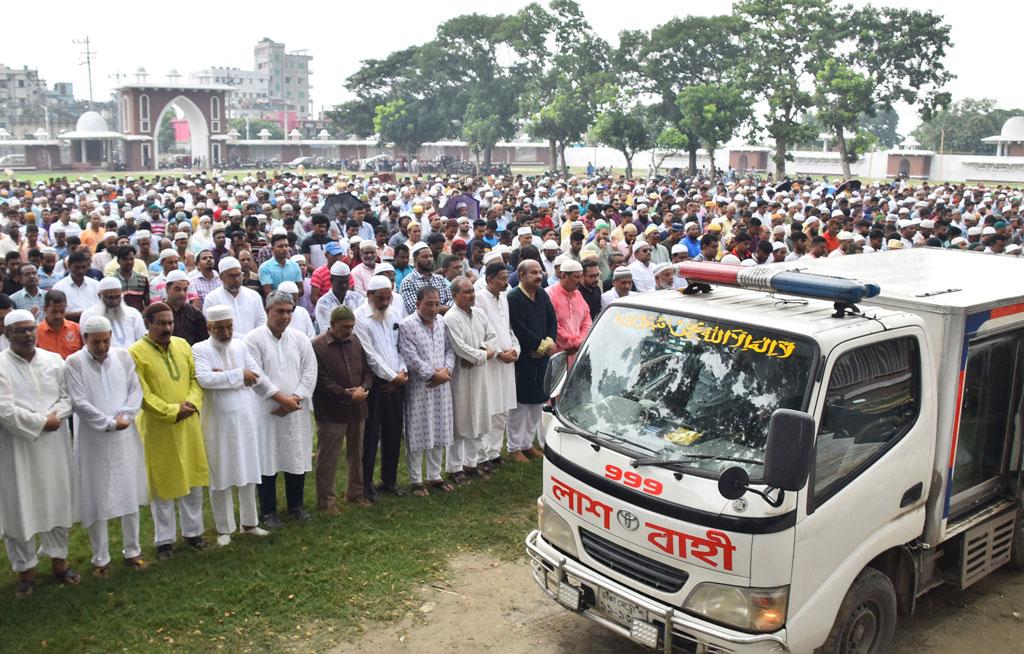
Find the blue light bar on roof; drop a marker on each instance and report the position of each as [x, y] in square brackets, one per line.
[770, 279]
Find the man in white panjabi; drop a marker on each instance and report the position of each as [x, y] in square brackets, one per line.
[473, 341]
[126, 322]
[245, 302]
[423, 344]
[500, 384]
[110, 463]
[36, 468]
[228, 374]
[286, 359]
[301, 319]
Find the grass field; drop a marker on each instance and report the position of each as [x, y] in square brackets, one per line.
[304, 588]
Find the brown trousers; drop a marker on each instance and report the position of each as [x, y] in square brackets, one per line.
[328, 450]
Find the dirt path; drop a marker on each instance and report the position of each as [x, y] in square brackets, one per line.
[491, 606]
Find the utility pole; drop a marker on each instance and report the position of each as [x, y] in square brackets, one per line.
[88, 54]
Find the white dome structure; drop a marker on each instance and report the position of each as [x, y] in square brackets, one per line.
[91, 122]
[1010, 140]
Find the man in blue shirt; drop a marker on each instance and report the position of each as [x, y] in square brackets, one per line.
[280, 268]
[692, 239]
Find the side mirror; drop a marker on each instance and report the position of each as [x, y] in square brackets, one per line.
[787, 457]
[553, 374]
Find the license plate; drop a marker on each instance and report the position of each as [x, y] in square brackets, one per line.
[619, 608]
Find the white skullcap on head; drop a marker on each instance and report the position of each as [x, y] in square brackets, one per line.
[367, 245]
[660, 268]
[731, 258]
[279, 231]
[383, 268]
[622, 272]
[18, 315]
[176, 276]
[96, 325]
[779, 245]
[340, 269]
[679, 248]
[167, 253]
[109, 284]
[416, 247]
[524, 231]
[571, 266]
[179, 235]
[298, 258]
[228, 263]
[748, 263]
[551, 245]
[378, 282]
[143, 233]
[492, 256]
[288, 287]
[219, 312]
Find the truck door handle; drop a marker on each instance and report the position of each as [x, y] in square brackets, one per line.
[912, 494]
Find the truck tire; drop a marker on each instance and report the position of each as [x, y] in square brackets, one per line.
[866, 623]
[1017, 544]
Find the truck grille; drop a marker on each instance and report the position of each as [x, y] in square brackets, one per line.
[638, 568]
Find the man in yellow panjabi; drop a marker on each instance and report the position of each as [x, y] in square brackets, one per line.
[171, 432]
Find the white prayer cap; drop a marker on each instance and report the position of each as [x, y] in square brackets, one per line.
[779, 245]
[167, 253]
[571, 266]
[367, 245]
[641, 244]
[18, 315]
[749, 263]
[219, 312]
[844, 235]
[501, 248]
[492, 256]
[988, 230]
[622, 272]
[731, 258]
[551, 245]
[298, 258]
[974, 231]
[109, 284]
[524, 231]
[927, 223]
[416, 247]
[383, 268]
[340, 269]
[143, 233]
[679, 248]
[838, 213]
[96, 325]
[180, 236]
[279, 231]
[557, 263]
[690, 224]
[228, 263]
[176, 276]
[288, 287]
[660, 268]
[378, 282]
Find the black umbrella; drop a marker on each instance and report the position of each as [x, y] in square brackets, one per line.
[848, 185]
[339, 201]
[449, 210]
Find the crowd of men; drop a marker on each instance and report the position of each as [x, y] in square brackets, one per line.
[166, 335]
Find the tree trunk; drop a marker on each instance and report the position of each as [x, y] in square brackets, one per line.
[692, 148]
[561, 158]
[843, 152]
[552, 153]
[487, 157]
[711, 157]
[780, 159]
[629, 165]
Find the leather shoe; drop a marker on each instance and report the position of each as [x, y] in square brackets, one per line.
[300, 514]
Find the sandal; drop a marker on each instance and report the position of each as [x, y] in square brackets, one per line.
[419, 491]
[24, 588]
[67, 577]
[137, 563]
[441, 484]
[460, 478]
[101, 571]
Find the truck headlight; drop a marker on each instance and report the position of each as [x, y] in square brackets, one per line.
[748, 609]
[555, 529]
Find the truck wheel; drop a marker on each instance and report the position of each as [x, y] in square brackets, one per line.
[866, 622]
[1017, 544]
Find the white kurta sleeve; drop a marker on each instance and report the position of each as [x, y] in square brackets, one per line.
[62, 405]
[78, 391]
[252, 344]
[262, 386]
[458, 340]
[376, 362]
[133, 399]
[210, 379]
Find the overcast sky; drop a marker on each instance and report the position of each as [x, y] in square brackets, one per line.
[189, 35]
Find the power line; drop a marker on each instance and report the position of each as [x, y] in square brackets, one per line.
[89, 54]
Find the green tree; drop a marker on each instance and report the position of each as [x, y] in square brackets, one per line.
[627, 129]
[879, 56]
[960, 128]
[255, 125]
[667, 144]
[165, 135]
[884, 126]
[694, 50]
[712, 113]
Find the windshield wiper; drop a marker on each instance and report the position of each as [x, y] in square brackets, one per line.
[686, 458]
[598, 438]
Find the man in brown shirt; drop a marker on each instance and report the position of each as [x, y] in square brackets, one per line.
[339, 405]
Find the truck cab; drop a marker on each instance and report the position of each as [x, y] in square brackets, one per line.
[784, 458]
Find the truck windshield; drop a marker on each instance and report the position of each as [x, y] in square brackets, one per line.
[692, 390]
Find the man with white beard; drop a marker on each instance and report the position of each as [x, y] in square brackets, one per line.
[126, 323]
[228, 374]
[500, 384]
[36, 476]
[285, 430]
[111, 465]
[300, 317]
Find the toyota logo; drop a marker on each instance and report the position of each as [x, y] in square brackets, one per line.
[628, 521]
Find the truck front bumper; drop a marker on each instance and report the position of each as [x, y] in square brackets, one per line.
[678, 631]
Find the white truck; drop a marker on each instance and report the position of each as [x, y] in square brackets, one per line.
[786, 457]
